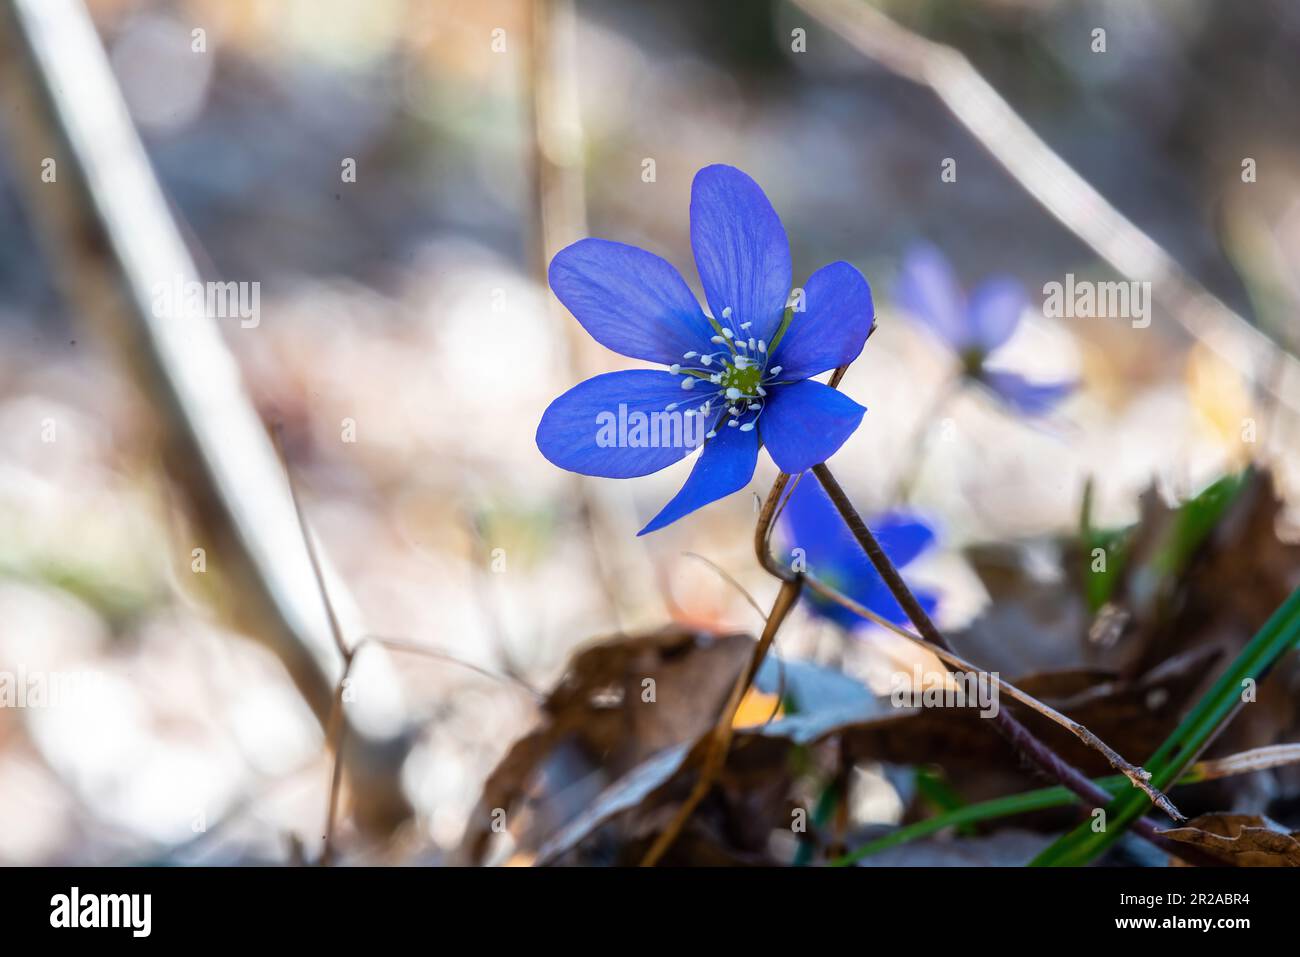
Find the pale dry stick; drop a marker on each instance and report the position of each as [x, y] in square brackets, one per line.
[1051, 181]
[720, 738]
[1245, 762]
[110, 238]
[1002, 720]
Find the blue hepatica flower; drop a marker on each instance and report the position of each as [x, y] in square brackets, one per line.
[819, 542]
[737, 378]
[974, 326]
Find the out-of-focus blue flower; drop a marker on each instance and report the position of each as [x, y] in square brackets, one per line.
[740, 377]
[973, 326]
[819, 542]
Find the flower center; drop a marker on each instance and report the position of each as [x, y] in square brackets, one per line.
[731, 380]
[744, 379]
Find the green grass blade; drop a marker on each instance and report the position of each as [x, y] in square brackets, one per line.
[1279, 635]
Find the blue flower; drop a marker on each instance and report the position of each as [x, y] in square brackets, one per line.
[974, 326]
[819, 542]
[736, 379]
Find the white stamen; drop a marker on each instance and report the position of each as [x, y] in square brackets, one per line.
[706, 360]
[716, 378]
[762, 345]
[733, 423]
[742, 362]
[726, 312]
[688, 383]
[717, 340]
[760, 390]
[751, 342]
[690, 412]
[711, 434]
[671, 406]
[776, 370]
[747, 427]
[728, 333]
[675, 368]
[690, 355]
[733, 393]
[745, 325]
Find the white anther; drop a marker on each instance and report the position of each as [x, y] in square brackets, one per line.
[706, 360]
[733, 393]
[776, 369]
[726, 312]
[690, 411]
[671, 406]
[690, 355]
[728, 333]
[675, 368]
[733, 423]
[747, 427]
[688, 383]
[716, 378]
[711, 434]
[745, 325]
[762, 345]
[742, 362]
[751, 342]
[717, 340]
[760, 390]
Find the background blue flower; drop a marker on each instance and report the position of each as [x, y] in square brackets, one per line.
[745, 369]
[973, 326]
[828, 550]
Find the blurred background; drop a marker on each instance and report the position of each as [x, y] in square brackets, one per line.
[485, 136]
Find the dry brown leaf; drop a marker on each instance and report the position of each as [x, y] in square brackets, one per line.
[1241, 840]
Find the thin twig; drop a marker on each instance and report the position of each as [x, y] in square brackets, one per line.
[1035, 750]
[730, 580]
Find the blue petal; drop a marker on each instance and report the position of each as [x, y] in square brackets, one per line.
[876, 596]
[813, 525]
[726, 465]
[805, 423]
[830, 332]
[902, 535]
[832, 554]
[570, 433]
[1028, 398]
[629, 300]
[995, 309]
[928, 289]
[741, 250]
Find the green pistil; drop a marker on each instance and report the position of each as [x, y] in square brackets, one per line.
[746, 380]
